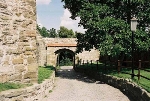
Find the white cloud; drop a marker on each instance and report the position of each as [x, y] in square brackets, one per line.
[67, 22]
[41, 2]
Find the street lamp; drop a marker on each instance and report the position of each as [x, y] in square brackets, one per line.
[133, 29]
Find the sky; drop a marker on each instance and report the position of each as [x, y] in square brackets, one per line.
[51, 14]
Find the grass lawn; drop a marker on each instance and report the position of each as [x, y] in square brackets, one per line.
[113, 71]
[8, 85]
[44, 73]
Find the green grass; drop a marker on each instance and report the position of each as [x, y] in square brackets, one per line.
[44, 73]
[112, 70]
[7, 86]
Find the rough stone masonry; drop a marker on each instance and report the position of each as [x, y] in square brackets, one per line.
[18, 49]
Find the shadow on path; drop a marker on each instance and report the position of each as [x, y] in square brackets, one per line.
[67, 72]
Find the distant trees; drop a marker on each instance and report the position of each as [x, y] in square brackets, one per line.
[52, 33]
[63, 32]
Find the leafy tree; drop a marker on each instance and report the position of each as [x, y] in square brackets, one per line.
[108, 24]
[52, 33]
[43, 31]
[47, 33]
[65, 33]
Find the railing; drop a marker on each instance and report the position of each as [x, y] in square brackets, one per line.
[117, 65]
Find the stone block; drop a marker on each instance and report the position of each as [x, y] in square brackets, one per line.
[32, 67]
[31, 59]
[13, 51]
[30, 33]
[14, 93]
[19, 98]
[28, 48]
[5, 17]
[2, 5]
[30, 75]
[24, 43]
[16, 77]
[17, 61]
[34, 80]
[31, 2]
[27, 23]
[29, 53]
[3, 78]
[20, 68]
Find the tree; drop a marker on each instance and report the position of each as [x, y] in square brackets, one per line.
[52, 33]
[65, 33]
[43, 31]
[108, 24]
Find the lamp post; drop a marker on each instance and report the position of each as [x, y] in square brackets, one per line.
[133, 29]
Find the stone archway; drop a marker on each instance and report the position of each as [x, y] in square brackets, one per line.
[58, 52]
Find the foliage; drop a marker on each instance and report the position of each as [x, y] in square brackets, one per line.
[44, 73]
[43, 31]
[65, 59]
[65, 62]
[53, 33]
[65, 33]
[108, 24]
[7, 86]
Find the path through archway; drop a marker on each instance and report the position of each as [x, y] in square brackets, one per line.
[65, 57]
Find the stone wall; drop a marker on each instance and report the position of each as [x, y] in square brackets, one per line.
[34, 93]
[41, 50]
[18, 61]
[51, 57]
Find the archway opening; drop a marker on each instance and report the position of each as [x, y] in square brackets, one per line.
[65, 57]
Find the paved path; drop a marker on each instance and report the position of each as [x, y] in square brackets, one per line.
[72, 86]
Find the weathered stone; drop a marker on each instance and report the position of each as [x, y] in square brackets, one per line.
[31, 2]
[19, 68]
[32, 67]
[3, 78]
[14, 93]
[15, 77]
[2, 5]
[5, 17]
[30, 33]
[26, 23]
[30, 48]
[17, 61]
[30, 75]
[1, 53]
[13, 51]
[19, 98]
[29, 53]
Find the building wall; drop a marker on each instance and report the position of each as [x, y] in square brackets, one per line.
[41, 50]
[51, 57]
[18, 49]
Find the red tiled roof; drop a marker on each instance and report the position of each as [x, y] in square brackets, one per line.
[61, 45]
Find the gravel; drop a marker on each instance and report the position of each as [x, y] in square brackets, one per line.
[72, 86]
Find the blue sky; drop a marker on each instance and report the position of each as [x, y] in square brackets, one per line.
[51, 14]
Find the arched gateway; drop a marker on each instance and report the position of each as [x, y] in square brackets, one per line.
[54, 46]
